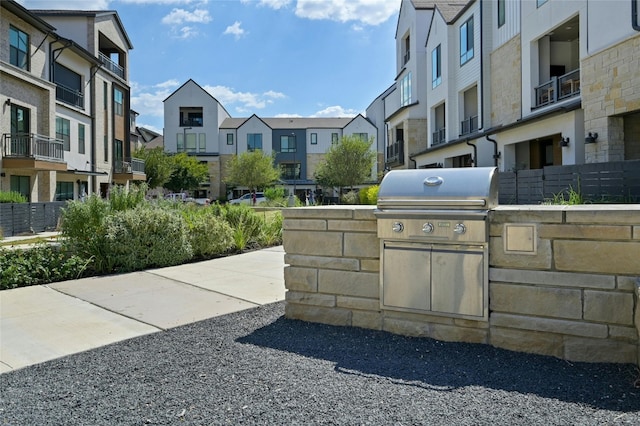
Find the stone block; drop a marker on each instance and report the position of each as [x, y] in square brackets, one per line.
[364, 319]
[589, 232]
[316, 299]
[527, 214]
[361, 245]
[304, 224]
[364, 212]
[556, 279]
[454, 333]
[599, 350]
[604, 214]
[597, 256]
[424, 318]
[608, 307]
[549, 325]
[344, 283]
[301, 279]
[619, 332]
[360, 303]
[312, 243]
[499, 258]
[322, 262]
[352, 225]
[318, 212]
[538, 301]
[636, 233]
[461, 322]
[370, 265]
[331, 316]
[527, 341]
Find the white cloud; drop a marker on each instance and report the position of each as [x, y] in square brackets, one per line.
[369, 12]
[64, 4]
[235, 30]
[147, 101]
[180, 16]
[246, 100]
[336, 111]
[273, 4]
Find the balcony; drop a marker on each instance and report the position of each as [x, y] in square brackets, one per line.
[469, 125]
[439, 136]
[395, 153]
[111, 66]
[129, 169]
[31, 151]
[191, 122]
[558, 89]
[69, 96]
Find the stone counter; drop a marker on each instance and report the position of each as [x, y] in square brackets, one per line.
[563, 280]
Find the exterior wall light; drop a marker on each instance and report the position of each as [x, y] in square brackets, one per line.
[591, 138]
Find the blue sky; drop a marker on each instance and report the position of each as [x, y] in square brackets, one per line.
[306, 58]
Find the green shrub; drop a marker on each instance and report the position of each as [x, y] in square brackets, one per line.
[121, 198]
[246, 224]
[83, 232]
[12, 197]
[209, 233]
[146, 237]
[274, 193]
[369, 195]
[40, 264]
[271, 231]
[350, 197]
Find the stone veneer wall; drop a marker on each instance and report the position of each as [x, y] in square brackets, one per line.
[564, 280]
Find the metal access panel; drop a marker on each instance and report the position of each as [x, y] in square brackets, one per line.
[406, 276]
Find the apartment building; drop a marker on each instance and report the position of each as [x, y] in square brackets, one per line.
[196, 123]
[65, 116]
[517, 84]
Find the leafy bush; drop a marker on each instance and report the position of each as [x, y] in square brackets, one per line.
[369, 195]
[271, 231]
[209, 233]
[246, 224]
[121, 198]
[12, 197]
[40, 264]
[350, 197]
[146, 237]
[274, 193]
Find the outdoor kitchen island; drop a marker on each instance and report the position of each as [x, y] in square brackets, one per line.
[562, 280]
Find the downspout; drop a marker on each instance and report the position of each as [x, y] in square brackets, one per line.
[481, 70]
[475, 153]
[634, 15]
[94, 144]
[496, 153]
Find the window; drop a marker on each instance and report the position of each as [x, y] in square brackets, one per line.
[466, 41]
[21, 184]
[501, 15]
[63, 132]
[118, 101]
[191, 117]
[20, 120]
[314, 139]
[105, 95]
[290, 170]
[19, 48]
[288, 143]
[407, 49]
[229, 138]
[436, 67]
[202, 142]
[191, 142]
[362, 136]
[254, 141]
[334, 138]
[541, 2]
[105, 149]
[405, 90]
[81, 138]
[64, 191]
[68, 86]
[180, 142]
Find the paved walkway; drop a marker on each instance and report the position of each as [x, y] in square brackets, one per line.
[40, 323]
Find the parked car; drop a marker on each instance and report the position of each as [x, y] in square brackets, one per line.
[178, 196]
[246, 199]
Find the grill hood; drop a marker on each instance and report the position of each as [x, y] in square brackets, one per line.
[468, 188]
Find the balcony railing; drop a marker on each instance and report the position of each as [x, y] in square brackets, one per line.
[469, 125]
[439, 136]
[111, 66]
[558, 88]
[129, 165]
[395, 152]
[69, 96]
[191, 122]
[30, 145]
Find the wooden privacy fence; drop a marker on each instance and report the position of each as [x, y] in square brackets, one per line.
[23, 218]
[614, 182]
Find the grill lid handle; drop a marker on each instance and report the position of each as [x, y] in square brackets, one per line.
[433, 181]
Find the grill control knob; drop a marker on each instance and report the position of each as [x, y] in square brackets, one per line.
[427, 228]
[459, 228]
[397, 227]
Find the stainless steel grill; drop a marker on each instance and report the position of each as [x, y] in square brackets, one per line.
[433, 230]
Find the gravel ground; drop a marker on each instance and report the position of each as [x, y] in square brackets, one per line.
[256, 367]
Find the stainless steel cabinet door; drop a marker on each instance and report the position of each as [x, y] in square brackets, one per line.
[406, 276]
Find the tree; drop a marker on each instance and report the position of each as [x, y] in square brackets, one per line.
[187, 173]
[253, 169]
[157, 165]
[346, 164]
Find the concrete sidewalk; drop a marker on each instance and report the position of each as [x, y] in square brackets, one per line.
[45, 322]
